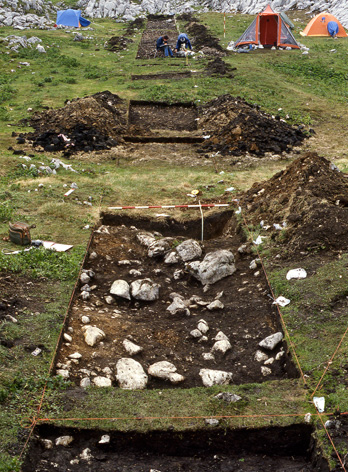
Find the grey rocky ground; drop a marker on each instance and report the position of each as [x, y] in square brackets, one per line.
[19, 14]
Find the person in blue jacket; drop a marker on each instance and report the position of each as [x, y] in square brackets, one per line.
[183, 40]
[162, 45]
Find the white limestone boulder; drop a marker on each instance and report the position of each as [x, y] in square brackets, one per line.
[165, 370]
[215, 377]
[271, 341]
[120, 288]
[189, 250]
[92, 335]
[214, 267]
[130, 374]
[145, 289]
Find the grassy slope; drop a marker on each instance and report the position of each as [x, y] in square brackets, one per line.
[308, 88]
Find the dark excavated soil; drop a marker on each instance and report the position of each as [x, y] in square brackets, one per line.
[311, 196]
[247, 318]
[236, 127]
[265, 450]
[163, 116]
[83, 124]
[157, 26]
[203, 40]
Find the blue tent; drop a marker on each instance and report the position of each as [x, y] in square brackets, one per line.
[71, 18]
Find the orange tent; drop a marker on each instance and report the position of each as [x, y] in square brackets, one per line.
[318, 26]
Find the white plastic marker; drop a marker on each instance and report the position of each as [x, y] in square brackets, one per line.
[69, 192]
[319, 402]
[281, 301]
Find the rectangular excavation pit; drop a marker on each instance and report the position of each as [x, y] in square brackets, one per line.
[243, 310]
[275, 449]
[163, 116]
[166, 75]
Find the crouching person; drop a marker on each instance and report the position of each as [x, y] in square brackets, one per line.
[162, 45]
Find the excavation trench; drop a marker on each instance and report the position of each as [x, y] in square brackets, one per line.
[269, 449]
[246, 317]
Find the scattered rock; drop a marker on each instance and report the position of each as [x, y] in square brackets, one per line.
[130, 374]
[120, 288]
[145, 289]
[260, 356]
[131, 348]
[215, 305]
[271, 341]
[93, 335]
[64, 441]
[215, 377]
[178, 306]
[165, 370]
[189, 250]
[215, 266]
[228, 397]
[102, 381]
[265, 371]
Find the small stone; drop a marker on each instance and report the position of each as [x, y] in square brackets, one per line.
[279, 355]
[105, 439]
[131, 348]
[93, 255]
[265, 371]
[75, 355]
[85, 319]
[85, 278]
[48, 444]
[86, 454]
[85, 382]
[102, 381]
[203, 326]
[208, 356]
[85, 295]
[189, 250]
[196, 333]
[165, 370]
[178, 274]
[93, 335]
[178, 306]
[109, 300]
[260, 356]
[221, 337]
[64, 441]
[271, 341]
[221, 346]
[212, 421]
[145, 289]
[228, 397]
[215, 305]
[63, 373]
[67, 337]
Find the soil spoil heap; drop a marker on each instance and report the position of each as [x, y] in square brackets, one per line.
[84, 124]
[202, 40]
[219, 68]
[309, 199]
[236, 127]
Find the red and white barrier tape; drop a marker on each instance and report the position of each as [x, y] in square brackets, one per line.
[203, 205]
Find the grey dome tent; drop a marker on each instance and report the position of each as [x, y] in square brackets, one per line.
[268, 29]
